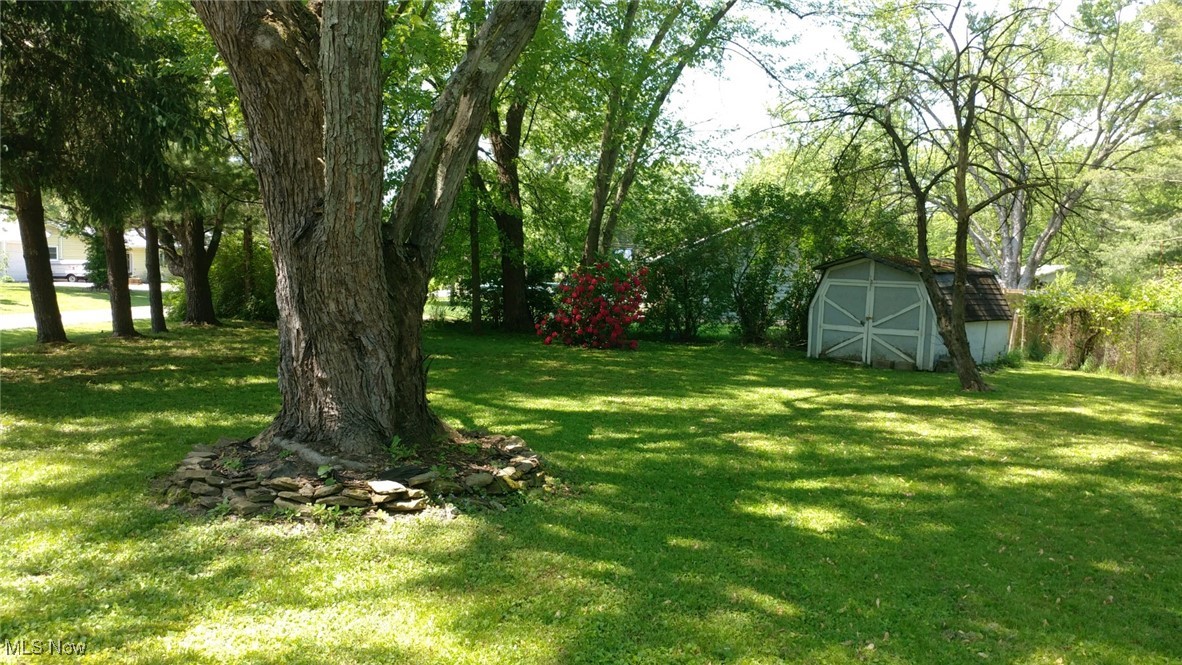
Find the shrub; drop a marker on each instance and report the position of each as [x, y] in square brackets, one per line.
[596, 306]
[1087, 327]
[685, 293]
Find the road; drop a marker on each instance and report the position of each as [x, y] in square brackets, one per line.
[14, 321]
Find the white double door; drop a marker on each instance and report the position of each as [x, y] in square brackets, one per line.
[872, 320]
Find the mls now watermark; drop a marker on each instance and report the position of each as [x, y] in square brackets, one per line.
[43, 648]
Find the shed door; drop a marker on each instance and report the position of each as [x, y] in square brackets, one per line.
[894, 322]
[843, 320]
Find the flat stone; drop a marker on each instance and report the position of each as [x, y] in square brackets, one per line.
[446, 487]
[403, 472]
[284, 483]
[386, 486]
[377, 499]
[513, 483]
[406, 506]
[193, 474]
[197, 460]
[478, 480]
[199, 488]
[208, 502]
[307, 491]
[416, 494]
[508, 472]
[247, 508]
[356, 494]
[259, 495]
[422, 478]
[295, 497]
[341, 500]
[292, 505]
[218, 481]
[327, 490]
[245, 484]
[284, 470]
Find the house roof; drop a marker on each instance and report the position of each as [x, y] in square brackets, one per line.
[984, 298]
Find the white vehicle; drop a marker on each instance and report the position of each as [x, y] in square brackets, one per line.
[71, 271]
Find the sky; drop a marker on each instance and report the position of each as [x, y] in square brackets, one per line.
[732, 109]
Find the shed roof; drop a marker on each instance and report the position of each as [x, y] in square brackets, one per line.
[984, 298]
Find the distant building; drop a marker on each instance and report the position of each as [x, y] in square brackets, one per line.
[67, 253]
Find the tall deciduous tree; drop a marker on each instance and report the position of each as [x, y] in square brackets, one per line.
[1094, 90]
[922, 81]
[647, 48]
[351, 290]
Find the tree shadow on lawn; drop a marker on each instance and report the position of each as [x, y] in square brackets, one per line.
[808, 522]
[833, 527]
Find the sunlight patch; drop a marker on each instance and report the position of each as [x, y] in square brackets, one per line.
[811, 518]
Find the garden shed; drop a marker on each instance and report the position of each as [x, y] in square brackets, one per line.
[875, 310]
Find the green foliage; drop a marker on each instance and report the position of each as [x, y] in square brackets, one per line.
[539, 297]
[96, 261]
[1135, 329]
[399, 452]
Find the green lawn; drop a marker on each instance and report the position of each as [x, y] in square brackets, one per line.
[14, 298]
[730, 505]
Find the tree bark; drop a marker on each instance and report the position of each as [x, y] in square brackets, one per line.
[118, 289]
[510, 218]
[474, 248]
[610, 144]
[351, 300]
[152, 265]
[30, 216]
[248, 259]
[196, 260]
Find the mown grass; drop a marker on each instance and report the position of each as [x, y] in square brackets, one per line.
[14, 298]
[730, 505]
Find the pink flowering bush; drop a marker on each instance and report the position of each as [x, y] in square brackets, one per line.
[595, 307]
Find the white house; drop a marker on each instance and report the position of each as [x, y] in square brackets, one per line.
[875, 310]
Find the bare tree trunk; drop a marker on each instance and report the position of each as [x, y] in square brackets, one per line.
[510, 219]
[474, 245]
[30, 216]
[248, 259]
[610, 143]
[119, 292]
[351, 370]
[152, 265]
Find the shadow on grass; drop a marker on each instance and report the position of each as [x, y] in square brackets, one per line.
[730, 504]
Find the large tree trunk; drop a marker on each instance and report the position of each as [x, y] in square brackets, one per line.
[510, 218]
[351, 371]
[30, 216]
[118, 289]
[192, 261]
[196, 261]
[152, 265]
